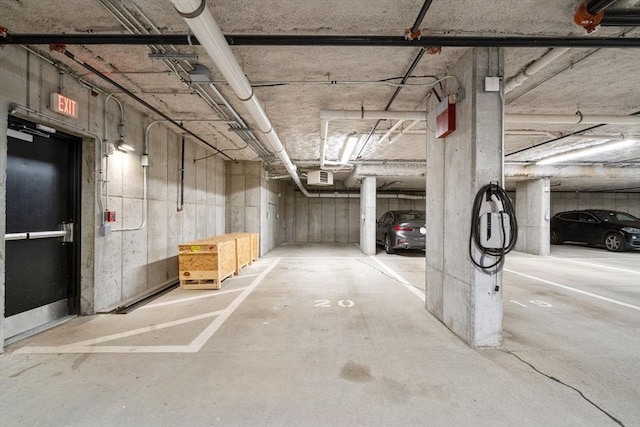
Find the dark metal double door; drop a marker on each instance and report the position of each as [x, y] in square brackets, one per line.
[42, 219]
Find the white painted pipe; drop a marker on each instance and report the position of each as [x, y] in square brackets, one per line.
[570, 171]
[371, 115]
[572, 119]
[390, 131]
[343, 195]
[324, 131]
[534, 67]
[206, 30]
[402, 131]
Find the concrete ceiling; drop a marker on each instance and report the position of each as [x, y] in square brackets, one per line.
[293, 82]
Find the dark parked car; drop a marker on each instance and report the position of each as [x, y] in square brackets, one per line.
[617, 231]
[401, 230]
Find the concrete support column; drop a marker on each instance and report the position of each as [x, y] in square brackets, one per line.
[533, 213]
[460, 295]
[368, 216]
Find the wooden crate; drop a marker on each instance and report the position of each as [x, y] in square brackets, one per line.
[255, 244]
[204, 264]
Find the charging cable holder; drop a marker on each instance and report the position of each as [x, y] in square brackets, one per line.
[494, 228]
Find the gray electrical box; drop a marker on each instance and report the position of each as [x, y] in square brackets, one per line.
[492, 84]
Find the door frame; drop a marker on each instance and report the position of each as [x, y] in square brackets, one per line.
[75, 175]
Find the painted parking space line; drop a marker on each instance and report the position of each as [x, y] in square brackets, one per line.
[85, 346]
[399, 278]
[569, 288]
[210, 330]
[194, 298]
[590, 264]
[88, 346]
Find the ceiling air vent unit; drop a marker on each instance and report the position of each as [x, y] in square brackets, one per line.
[320, 177]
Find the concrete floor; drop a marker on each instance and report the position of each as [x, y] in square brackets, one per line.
[320, 335]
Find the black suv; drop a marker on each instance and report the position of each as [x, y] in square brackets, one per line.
[617, 231]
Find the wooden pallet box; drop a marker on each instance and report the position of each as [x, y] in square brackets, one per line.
[204, 264]
[243, 249]
[255, 244]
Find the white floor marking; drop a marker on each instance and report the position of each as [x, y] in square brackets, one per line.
[88, 346]
[624, 304]
[197, 297]
[399, 278]
[596, 265]
[243, 276]
[82, 346]
[516, 302]
[205, 335]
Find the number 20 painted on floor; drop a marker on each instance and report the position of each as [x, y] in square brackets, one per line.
[346, 303]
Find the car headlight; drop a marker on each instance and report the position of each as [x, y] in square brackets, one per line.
[631, 230]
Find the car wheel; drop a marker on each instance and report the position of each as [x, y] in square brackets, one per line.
[387, 245]
[614, 242]
[556, 238]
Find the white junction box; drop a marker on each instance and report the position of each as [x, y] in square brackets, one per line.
[320, 177]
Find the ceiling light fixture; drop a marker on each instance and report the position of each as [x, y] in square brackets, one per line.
[583, 152]
[347, 151]
[124, 147]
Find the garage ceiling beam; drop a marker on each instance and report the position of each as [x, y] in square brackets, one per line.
[320, 40]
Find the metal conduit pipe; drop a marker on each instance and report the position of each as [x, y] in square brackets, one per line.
[201, 22]
[597, 6]
[571, 119]
[320, 40]
[138, 99]
[621, 18]
[372, 115]
[533, 68]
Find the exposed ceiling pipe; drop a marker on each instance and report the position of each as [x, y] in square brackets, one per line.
[533, 68]
[205, 28]
[570, 171]
[590, 13]
[621, 18]
[404, 131]
[572, 119]
[395, 170]
[327, 115]
[372, 115]
[132, 95]
[322, 40]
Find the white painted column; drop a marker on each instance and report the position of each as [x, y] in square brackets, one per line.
[457, 293]
[368, 216]
[533, 213]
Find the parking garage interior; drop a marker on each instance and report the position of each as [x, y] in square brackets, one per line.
[128, 128]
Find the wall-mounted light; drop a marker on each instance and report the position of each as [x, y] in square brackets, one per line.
[124, 147]
[584, 152]
[347, 151]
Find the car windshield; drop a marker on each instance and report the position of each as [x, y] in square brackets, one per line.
[411, 216]
[616, 216]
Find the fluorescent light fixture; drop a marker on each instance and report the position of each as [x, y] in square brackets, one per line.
[124, 147]
[583, 152]
[347, 151]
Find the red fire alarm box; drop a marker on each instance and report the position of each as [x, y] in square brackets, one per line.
[110, 216]
[445, 118]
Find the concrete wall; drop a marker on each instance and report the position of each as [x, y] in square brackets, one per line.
[333, 220]
[255, 204]
[123, 264]
[626, 202]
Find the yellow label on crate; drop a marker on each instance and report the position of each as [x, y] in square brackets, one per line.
[195, 248]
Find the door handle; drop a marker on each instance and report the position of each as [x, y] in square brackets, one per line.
[66, 233]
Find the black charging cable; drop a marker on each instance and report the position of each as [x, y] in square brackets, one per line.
[492, 192]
